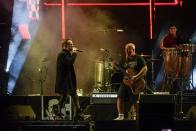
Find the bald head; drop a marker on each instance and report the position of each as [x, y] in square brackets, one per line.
[130, 49]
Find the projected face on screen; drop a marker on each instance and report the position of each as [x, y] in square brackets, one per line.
[25, 19]
[33, 9]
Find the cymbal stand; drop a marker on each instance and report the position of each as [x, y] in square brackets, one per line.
[107, 81]
[192, 68]
[152, 71]
[184, 82]
[180, 114]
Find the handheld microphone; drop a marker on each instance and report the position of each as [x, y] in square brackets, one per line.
[79, 50]
[76, 49]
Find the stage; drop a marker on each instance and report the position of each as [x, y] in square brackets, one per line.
[156, 112]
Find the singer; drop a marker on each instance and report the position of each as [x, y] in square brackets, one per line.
[66, 78]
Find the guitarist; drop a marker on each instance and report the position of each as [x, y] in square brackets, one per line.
[135, 68]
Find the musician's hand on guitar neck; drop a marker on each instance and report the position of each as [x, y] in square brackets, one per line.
[133, 78]
[129, 81]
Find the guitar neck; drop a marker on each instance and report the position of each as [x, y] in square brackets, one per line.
[122, 70]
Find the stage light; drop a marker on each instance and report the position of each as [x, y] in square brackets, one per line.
[62, 4]
[119, 30]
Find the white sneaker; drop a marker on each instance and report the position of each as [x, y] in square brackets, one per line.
[119, 118]
[132, 116]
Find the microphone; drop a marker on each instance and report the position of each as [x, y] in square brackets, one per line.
[76, 49]
[79, 50]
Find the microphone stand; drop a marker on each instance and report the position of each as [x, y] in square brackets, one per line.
[41, 82]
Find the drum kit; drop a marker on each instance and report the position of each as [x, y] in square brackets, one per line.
[106, 80]
[177, 64]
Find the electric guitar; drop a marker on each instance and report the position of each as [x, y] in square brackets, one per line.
[137, 86]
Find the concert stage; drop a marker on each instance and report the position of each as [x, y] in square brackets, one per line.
[155, 112]
[107, 125]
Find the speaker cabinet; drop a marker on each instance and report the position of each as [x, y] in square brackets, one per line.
[156, 112]
[20, 112]
[188, 106]
[102, 111]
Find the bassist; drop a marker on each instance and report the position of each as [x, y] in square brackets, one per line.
[133, 83]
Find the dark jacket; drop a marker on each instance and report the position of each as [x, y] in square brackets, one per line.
[65, 74]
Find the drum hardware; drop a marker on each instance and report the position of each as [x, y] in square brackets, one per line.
[191, 82]
[145, 55]
[180, 114]
[152, 70]
[103, 72]
[186, 52]
[149, 90]
[154, 60]
[186, 64]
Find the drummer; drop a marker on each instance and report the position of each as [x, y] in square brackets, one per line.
[170, 40]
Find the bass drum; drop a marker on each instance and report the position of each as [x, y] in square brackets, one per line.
[116, 81]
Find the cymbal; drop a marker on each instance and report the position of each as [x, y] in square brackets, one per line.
[145, 55]
[154, 59]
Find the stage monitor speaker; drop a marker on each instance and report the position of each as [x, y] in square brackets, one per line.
[191, 114]
[20, 112]
[102, 111]
[106, 111]
[156, 112]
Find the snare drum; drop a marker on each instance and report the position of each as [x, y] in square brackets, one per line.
[171, 62]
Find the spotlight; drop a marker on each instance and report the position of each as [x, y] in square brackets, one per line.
[119, 30]
[7, 70]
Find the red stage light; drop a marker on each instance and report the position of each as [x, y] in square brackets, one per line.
[62, 4]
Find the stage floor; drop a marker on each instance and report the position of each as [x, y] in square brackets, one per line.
[110, 125]
[155, 113]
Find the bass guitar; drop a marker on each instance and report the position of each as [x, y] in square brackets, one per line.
[137, 86]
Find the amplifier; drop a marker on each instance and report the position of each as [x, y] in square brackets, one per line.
[103, 98]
